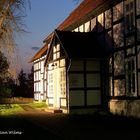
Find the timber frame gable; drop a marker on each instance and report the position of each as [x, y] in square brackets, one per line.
[114, 63]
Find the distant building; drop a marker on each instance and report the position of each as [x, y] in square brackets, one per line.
[92, 59]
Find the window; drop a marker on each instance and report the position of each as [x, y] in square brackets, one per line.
[108, 19]
[138, 6]
[129, 16]
[130, 77]
[130, 40]
[56, 52]
[50, 89]
[119, 87]
[50, 80]
[63, 82]
[138, 56]
[62, 76]
[118, 35]
[118, 11]
[119, 63]
[138, 29]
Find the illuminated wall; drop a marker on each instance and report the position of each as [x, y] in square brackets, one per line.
[39, 80]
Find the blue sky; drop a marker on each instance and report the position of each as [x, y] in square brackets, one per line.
[43, 17]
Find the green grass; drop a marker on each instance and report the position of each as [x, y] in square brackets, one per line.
[9, 109]
[38, 105]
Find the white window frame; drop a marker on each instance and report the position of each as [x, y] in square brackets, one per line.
[131, 83]
[129, 11]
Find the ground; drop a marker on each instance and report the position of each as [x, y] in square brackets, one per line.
[39, 124]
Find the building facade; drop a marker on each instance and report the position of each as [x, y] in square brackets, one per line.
[114, 79]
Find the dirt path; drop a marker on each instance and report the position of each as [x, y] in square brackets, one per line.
[84, 127]
[27, 107]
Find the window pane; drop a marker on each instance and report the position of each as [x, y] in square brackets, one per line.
[93, 65]
[130, 40]
[130, 51]
[119, 87]
[131, 76]
[119, 63]
[100, 22]
[76, 80]
[108, 19]
[129, 16]
[118, 35]
[110, 86]
[138, 50]
[93, 80]
[110, 65]
[77, 66]
[139, 82]
[118, 11]
[138, 29]
[138, 6]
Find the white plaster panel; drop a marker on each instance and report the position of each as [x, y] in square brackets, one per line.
[62, 62]
[76, 30]
[81, 28]
[87, 26]
[51, 101]
[63, 102]
[93, 23]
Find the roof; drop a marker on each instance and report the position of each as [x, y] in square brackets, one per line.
[82, 10]
[86, 7]
[82, 44]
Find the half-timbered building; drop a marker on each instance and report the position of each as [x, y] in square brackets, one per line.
[92, 59]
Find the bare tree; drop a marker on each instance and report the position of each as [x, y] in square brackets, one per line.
[12, 13]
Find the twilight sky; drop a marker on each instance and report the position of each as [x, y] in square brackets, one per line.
[43, 17]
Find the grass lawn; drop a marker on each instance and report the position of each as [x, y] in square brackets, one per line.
[9, 109]
[37, 105]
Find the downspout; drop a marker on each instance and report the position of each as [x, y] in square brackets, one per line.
[67, 85]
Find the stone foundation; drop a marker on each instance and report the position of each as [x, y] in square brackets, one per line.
[125, 107]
